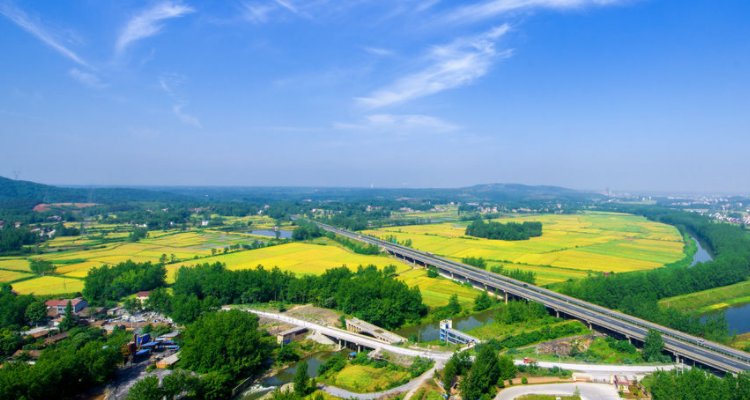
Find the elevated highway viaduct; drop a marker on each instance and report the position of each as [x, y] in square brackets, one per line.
[683, 346]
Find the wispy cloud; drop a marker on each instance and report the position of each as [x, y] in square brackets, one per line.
[288, 6]
[378, 51]
[87, 78]
[34, 27]
[148, 23]
[185, 117]
[256, 13]
[456, 64]
[488, 9]
[259, 12]
[400, 124]
[171, 84]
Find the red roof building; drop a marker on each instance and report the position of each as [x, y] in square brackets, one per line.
[78, 304]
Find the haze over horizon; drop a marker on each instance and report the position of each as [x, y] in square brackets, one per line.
[640, 95]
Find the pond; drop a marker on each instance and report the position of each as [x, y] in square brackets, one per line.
[431, 330]
[269, 233]
[284, 376]
[738, 318]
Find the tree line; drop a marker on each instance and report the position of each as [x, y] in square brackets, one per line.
[508, 231]
[370, 294]
[111, 283]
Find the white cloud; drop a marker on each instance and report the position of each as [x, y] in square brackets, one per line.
[147, 23]
[378, 51]
[456, 64]
[287, 5]
[87, 79]
[185, 117]
[171, 84]
[493, 8]
[256, 13]
[393, 123]
[20, 18]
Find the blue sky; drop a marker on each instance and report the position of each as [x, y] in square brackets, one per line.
[628, 94]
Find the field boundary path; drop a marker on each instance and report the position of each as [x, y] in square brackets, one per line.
[589, 391]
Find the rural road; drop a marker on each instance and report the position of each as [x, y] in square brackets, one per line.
[594, 369]
[355, 338]
[589, 391]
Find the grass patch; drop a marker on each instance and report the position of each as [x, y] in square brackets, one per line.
[711, 299]
[364, 379]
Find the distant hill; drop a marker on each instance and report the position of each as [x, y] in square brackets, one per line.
[486, 192]
[25, 192]
[12, 192]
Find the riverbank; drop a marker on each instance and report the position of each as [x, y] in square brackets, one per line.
[710, 300]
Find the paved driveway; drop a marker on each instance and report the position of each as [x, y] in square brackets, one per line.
[589, 391]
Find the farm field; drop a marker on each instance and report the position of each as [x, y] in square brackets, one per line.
[76, 264]
[10, 276]
[570, 247]
[300, 258]
[437, 291]
[49, 285]
[16, 264]
[711, 299]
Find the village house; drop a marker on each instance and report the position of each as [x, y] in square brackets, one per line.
[142, 297]
[57, 307]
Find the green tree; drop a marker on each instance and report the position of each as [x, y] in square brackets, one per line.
[482, 301]
[177, 383]
[453, 307]
[301, 379]
[41, 267]
[227, 342]
[36, 312]
[146, 389]
[160, 301]
[484, 373]
[507, 368]
[653, 345]
[214, 386]
[68, 320]
[287, 354]
[132, 305]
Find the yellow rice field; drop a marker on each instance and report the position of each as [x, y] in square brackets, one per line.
[8, 276]
[17, 264]
[49, 285]
[300, 258]
[570, 247]
[437, 291]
